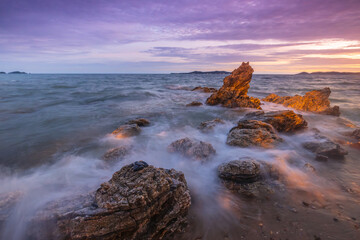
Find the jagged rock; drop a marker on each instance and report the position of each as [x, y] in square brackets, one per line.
[209, 125]
[192, 148]
[127, 130]
[141, 122]
[244, 176]
[194, 104]
[282, 121]
[324, 148]
[116, 153]
[313, 101]
[204, 89]
[253, 133]
[139, 202]
[233, 93]
[356, 134]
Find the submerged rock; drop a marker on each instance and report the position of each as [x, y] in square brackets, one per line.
[209, 125]
[192, 148]
[244, 176]
[139, 202]
[116, 153]
[324, 148]
[233, 93]
[127, 130]
[253, 133]
[313, 101]
[194, 104]
[141, 122]
[282, 121]
[204, 89]
[356, 134]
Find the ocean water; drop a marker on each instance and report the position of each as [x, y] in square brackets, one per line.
[54, 130]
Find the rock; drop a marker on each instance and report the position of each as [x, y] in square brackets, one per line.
[209, 125]
[253, 133]
[127, 130]
[7, 202]
[116, 153]
[139, 202]
[192, 148]
[244, 176]
[313, 101]
[309, 168]
[141, 122]
[205, 89]
[282, 121]
[356, 134]
[233, 93]
[324, 148]
[194, 104]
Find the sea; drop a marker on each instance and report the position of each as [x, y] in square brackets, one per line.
[55, 128]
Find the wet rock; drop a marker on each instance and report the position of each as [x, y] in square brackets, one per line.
[282, 121]
[356, 134]
[7, 201]
[209, 125]
[244, 176]
[324, 148]
[205, 89]
[139, 202]
[194, 104]
[127, 130]
[116, 153]
[192, 148]
[313, 101]
[310, 168]
[253, 133]
[141, 122]
[233, 93]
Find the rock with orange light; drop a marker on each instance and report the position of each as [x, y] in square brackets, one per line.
[205, 89]
[127, 130]
[313, 101]
[244, 176]
[139, 202]
[282, 121]
[324, 148]
[210, 125]
[253, 133]
[192, 148]
[194, 104]
[233, 93]
[116, 153]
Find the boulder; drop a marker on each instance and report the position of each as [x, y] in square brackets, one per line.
[127, 130]
[282, 121]
[233, 93]
[324, 149]
[139, 202]
[313, 101]
[116, 153]
[192, 148]
[209, 125]
[141, 122]
[205, 89]
[244, 176]
[356, 134]
[194, 104]
[253, 133]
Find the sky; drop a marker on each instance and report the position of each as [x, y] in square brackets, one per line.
[162, 36]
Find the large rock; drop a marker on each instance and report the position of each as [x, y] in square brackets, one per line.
[205, 89]
[313, 101]
[253, 133]
[244, 176]
[233, 93]
[282, 121]
[139, 202]
[324, 148]
[209, 125]
[127, 130]
[192, 148]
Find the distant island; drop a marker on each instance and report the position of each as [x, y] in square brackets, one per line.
[2, 72]
[17, 72]
[327, 73]
[210, 72]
